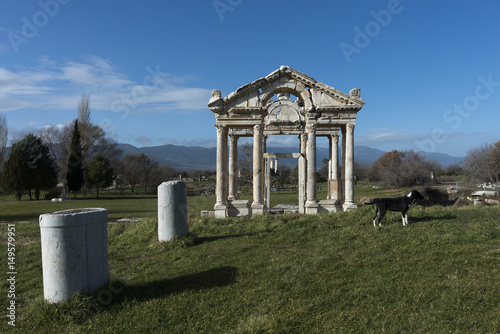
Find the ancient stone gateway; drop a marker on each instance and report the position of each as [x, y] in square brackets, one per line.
[303, 107]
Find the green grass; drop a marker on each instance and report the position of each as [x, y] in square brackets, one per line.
[285, 274]
[12, 210]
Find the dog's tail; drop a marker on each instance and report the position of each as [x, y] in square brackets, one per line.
[372, 201]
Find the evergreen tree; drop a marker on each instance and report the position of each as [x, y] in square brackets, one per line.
[14, 173]
[41, 173]
[99, 173]
[74, 176]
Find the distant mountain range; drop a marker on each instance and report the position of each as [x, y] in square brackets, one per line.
[184, 158]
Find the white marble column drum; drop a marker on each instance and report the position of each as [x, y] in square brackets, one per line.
[220, 187]
[257, 168]
[233, 168]
[349, 168]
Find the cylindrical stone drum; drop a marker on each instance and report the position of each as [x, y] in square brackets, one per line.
[74, 252]
[172, 210]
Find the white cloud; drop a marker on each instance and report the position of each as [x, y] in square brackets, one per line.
[58, 86]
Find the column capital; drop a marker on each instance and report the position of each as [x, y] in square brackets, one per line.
[233, 137]
[350, 128]
[311, 128]
[258, 128]
[221, 128]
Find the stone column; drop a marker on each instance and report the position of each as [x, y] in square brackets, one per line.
[341, 196]
[311, 204]
[267, 182]
[329, 160]
[264, 150]
[349, 168]
[333, 182]
[335, 156]
[302, 172]
[257, 205]
[172, 210]
[233, 167]
[74, 252]
[220, 205]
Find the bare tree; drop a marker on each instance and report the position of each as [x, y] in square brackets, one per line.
[131, 170]
[84, 110]
[494, 162]
[476, 163]
[3, 137]
[150, 166]
[246, 163]
[50, 137]
[397, 168]
[136, 168]
[93, 139]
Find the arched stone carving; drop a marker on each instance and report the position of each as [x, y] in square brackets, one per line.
[283, 110]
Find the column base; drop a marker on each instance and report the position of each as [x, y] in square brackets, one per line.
[220, 211]
[258, 209]
[239, 208]
[349, 206]
[312, 208]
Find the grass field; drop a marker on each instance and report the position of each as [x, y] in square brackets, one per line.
[283, 274]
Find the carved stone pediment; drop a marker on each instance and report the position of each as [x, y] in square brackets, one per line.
[312, 96]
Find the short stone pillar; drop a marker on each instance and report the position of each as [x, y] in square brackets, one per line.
[172, 210]
[74, 252]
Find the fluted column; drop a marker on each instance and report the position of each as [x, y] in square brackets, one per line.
[221, 166]
[349, 168]
[233, 167]
[311, 163]
[257, 163]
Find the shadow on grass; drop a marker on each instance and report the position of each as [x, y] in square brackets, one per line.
[419, 219]
[221, 237]
[200, 281]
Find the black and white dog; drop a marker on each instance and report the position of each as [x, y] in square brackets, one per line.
[394, 204]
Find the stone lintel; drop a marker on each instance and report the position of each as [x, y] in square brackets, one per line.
[282, 155]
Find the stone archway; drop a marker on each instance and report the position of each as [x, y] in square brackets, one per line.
[319, 110]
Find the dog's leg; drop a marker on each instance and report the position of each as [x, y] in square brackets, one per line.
[404, 216]
[382, 214]
[375, 218]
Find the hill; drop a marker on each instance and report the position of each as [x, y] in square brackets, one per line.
[202, 158]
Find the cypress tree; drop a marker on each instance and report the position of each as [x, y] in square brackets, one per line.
[74, 176]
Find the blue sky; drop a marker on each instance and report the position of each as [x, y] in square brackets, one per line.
[429, 71]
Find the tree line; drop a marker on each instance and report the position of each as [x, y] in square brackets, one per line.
[79, 155]
[396, 168]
